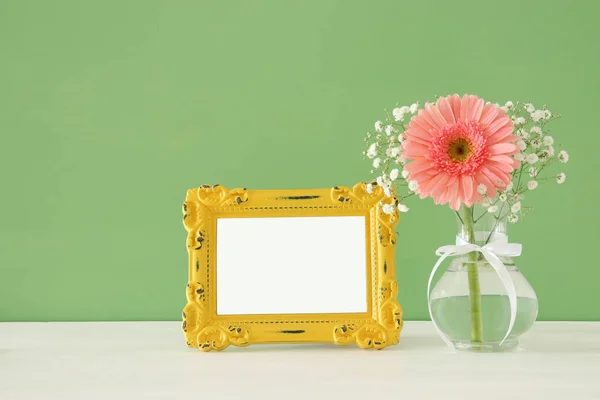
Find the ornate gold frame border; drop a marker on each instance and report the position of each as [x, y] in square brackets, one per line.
[379, 327]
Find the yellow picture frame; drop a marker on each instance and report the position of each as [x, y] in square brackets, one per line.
[379, 327]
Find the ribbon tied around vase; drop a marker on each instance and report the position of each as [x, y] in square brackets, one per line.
[491, 252]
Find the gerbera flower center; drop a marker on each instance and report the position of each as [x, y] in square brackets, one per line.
[459, 150]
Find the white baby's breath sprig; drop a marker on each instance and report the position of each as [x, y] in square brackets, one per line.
[563, 157]
[532, 184]
[388, 208]
[536, 156]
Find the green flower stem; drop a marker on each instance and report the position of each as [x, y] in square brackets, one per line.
[473, 274]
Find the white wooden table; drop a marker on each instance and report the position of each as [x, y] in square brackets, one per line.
[149, 360]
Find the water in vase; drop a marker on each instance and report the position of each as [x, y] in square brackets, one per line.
[452, 315]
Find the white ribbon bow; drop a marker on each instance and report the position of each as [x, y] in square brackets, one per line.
[491, 252]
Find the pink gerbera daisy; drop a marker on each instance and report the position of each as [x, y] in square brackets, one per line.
[456, 145]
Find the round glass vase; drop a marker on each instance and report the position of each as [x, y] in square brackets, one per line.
[469, 303]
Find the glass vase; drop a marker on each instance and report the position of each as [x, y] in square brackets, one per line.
[469, 303]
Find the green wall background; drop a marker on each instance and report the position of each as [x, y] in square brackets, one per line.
[110, 110]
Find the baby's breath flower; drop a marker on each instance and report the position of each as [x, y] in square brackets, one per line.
[380, 180]
[520, 121]
[402, 208]
[502, 197]
[522, 145]
[563, 156]
[394, 174]
[389, 130]
[529, 107]
[401, 138]
[513, 219]
[520, 157]
[560, 178]
[548, 141]
[532, 185]
[532, 172]
[537, 115]
[516, 207]
[378, 126]
[398, 114]
[492, 209]
[372, 151]
[532, 158]
[509, 104]
[369, 188]
[404, 173]
[414, 108]
[376, 163]
[413, 186]
[547, 114]
[523, 133]
[388, 208]
[536, 143]
[482, 189]
[550, 151]
[536, 130]
[387, 190]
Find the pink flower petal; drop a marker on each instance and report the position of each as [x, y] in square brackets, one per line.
[488, 115]
[465, 106]
[496, 125]
[446, 110]
[429, 185]
[467, 189]
[453, 190]
[455, 203]
[502, 166]
[476, 109]
[423, 123]
[439, 191]
[491, 188]
[501, 134]
[433, 117]
[503, 177]
[491, 176]
[502, 148]
[416, 132]
[417, 166]
[503, 159]
[414, 149]
[456, 104]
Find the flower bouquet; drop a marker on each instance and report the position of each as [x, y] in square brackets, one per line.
[481, 159]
